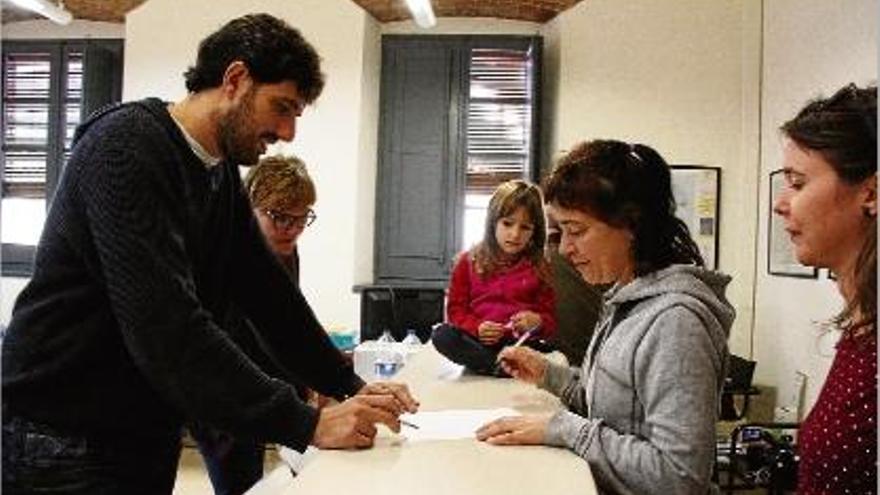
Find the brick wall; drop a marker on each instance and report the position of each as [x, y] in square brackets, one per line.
[522, 10]
[383, 10]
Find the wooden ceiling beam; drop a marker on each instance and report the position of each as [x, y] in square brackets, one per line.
[383, 10]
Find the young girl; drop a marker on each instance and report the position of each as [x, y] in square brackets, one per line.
[500, 289]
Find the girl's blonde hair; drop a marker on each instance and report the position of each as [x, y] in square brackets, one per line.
[280, 182]
[507, 198]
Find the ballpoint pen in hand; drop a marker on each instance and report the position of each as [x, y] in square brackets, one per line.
[522, 338]
[407, 423]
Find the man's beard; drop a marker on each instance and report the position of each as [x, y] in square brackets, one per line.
[238, 141]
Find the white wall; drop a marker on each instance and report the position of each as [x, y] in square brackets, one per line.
[681, 77]
[811, 47]
[335, 137]
[10, 287]
[367, 168]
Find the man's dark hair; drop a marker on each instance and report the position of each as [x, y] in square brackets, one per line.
[272, 50]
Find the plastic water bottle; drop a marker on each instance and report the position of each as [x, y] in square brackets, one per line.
[386, 337]
[411, 339]
[388, 360]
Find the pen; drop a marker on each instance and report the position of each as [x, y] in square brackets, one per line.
[522, 338]
[407, 423]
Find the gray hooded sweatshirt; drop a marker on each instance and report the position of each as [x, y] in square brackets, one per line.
[642, 408]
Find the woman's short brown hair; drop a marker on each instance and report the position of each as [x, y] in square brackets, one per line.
[626, 186]
[280, 182]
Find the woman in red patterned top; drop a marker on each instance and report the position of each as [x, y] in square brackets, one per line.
[830, 212]
[501, 288]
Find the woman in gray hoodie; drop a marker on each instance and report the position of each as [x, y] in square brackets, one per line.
[643, 406]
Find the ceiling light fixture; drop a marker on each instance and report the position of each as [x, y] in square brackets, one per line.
[422, 12]
[56, 13]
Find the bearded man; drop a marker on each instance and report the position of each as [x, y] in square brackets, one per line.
[115, 343]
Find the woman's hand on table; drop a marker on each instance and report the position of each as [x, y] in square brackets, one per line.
[515, 430]
[403, 400]
[523, 364]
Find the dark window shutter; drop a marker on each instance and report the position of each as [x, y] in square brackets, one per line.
[458, 117]
[48, 88]
[416, 184]
[102, 78]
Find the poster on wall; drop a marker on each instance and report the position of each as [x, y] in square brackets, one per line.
[781, 259]
[697, 190]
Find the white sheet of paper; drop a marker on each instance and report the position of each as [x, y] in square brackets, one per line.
[451, 424]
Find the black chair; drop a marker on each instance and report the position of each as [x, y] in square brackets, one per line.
[398, 309]
[737, 384]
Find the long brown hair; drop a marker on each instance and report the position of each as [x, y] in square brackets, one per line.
[487, 254]
[843, 129]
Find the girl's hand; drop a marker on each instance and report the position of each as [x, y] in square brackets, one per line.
[490, 332]
[515, 430]
[523, 364]
[525, 321]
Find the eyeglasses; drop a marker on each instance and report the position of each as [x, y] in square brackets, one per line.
[285, 221]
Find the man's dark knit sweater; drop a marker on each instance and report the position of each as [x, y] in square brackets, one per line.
[117, 334]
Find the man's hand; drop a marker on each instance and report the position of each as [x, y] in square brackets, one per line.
[352, 424]
[490, 332]
[515, 430]
[399, 391]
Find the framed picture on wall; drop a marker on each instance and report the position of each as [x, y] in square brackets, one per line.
[780, 250]
[697, 191]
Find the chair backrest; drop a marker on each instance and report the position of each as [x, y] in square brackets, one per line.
[740, 373]
[398, 309]
[578, 306]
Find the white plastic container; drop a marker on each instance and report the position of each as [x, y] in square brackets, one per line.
[375, 360]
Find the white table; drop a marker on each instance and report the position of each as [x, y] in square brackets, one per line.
[461, 467]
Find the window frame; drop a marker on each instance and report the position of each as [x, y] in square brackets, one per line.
[532, 168]
[389, 266]
[16, 260]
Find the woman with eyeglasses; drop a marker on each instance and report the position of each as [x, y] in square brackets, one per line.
[829, 207]
[282, 195]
